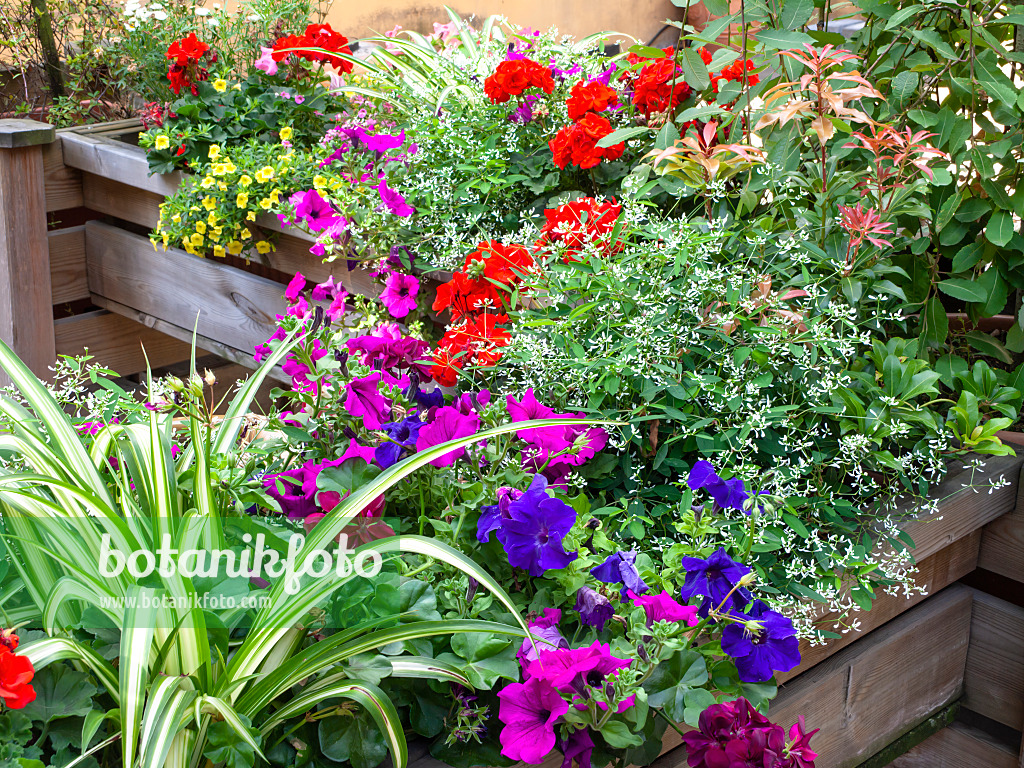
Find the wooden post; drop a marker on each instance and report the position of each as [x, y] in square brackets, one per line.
[26, 304]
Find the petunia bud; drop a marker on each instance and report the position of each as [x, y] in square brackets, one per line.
[175, 384]
[641, 651]
[209, 377]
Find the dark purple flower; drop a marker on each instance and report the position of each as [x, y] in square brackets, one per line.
[532, 537]
[394, 201]
[728, 494]
[524, 112]
[404, 434]
[492, 515]
[578, 746]
[528, 711]
[594, 608]
[620, 568]
[447, 424]
[364, 399]
[766, 645]
[432, 399]
[734, 735]
[714, 579]
[399, 294]
[546, 636]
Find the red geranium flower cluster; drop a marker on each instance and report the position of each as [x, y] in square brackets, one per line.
[475, 296]
[581, 223]
[316, 36]
[185, 55]
[514, 76]
[590, 97]
[16, 673]
[735, 72]
[577, 143]
[659, 87]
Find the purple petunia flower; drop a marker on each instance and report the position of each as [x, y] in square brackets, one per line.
[364, 399]
[404, 434]
[399, 294]
[578, 746]
[394, 201]
[493, 515]
[387, 349]
[733, 733]
[594, 608]
[728, 494]
[714, 579]
[448, 424]
[528, 711]
[532, 537]
[620, 568]
[771, 646]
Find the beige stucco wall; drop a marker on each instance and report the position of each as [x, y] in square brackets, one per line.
[640, 18]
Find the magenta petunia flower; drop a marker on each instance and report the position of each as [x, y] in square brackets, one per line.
[266, 61]
[295, 288]
[448, 424]
[399, 294]
[546, 635]
[364, 399]
[394, 201]
[663, 608]
[529, 711]
[315, 211]
[573, 669]
[326, 290]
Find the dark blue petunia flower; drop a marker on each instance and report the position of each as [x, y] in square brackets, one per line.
[728, 494]
[714, 579]
[594, 608]
[404, 434]
[532, 536]
[620, 568]
[760, 653]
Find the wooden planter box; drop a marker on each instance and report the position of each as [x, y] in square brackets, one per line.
[863, 690]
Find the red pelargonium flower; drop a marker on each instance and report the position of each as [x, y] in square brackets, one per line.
[16, 674]
[475, 287]
[660, 86]
[590, 97]
[462, 295]
[505, 264]
[470, 342]
[577, 143]
[582, 222]
[187, 50]
[513, 77]
[736, 72]
[316, 36]
[634, 60]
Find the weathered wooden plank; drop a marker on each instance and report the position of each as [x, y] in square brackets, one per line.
[63, 184]
[1002, 543]
[26, 307]
[114, 198]
[67, 265]
[934, 573]
[117, 342]
[958, 746]
[115, 160]
[874, 691]
[233, 307]
[994, 680]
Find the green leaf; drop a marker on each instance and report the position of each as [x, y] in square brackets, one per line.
[60, 692]
[904, 86]
[903, 15]
[965, 290]
[619, 735]
[672, 679]
[226, 747]
[616, 137]
[696, 700]
[999, 229]
[987, 345]
[694, 68]
[781, 39]
[484, 659]
[935, 322]
[352, 739]
[795, 14]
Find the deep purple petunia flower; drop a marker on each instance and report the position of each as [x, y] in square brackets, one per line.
[594, 608]
[404, 434]
[493, 516]
[728, 494]
[394, 201]
[714, 579]
[399, 294]
[533, 535]
[578, 746]
[448, 424]
[620, 568]
[731, 734]
[528, 711]
[365, 400]
[662, 607]
[773, 647]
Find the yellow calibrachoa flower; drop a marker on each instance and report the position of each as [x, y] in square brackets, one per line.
[201, 227]
[244, 180]
[265, 203]
[286, 133]
[209, 203]
[264, 174]
[212, 218]
[275, 195]
[222, 186]
[250, 216]
[263, 246]
[220, 85]
[246, 234]
[196, 239]
[234, 247]
[218, 251]
[176, 218]
[217, 232]
[319, 182]
[162, 142]
[219, 169]
[236, 87]
[207, 182]
[242, 200]
[230, 167]
[214, 151]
